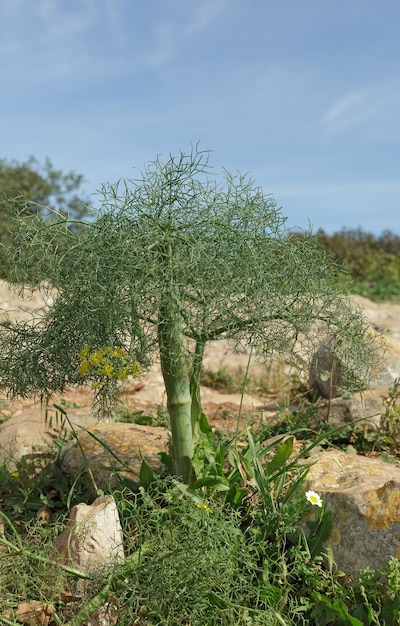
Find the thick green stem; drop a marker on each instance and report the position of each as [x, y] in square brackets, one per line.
[174, 368]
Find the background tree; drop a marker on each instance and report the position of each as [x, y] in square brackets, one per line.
[30, 189]
[174, 259]
[372, 261]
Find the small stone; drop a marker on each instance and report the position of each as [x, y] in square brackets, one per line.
[92, 540]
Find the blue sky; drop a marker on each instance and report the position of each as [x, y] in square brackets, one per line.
[303, 94]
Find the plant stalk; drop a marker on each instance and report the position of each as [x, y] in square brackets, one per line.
[174, 368]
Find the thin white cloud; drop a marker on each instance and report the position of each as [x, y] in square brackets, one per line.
[48, 41]
[204, 15]
[187, 21]
[57, 24]
[370, 110]
[114, 12]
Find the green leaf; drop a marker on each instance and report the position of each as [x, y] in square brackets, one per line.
[217, 601]
[205, 450]
[341, 610]
[324, 375]
[323, 530]
[146, 474]
[271, 595]
[235, 496]
[219, 483]
[280, 458]
[166, 460]
[220, 459]
[205, 428]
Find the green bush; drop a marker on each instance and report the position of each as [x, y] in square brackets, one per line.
[372, 263]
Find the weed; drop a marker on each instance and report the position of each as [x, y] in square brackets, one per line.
[390, 418]
[4, 414]
[145, 417]
[265, 380]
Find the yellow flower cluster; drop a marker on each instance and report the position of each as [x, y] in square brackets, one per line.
[374, 334]
[204, 507]
[107, 363]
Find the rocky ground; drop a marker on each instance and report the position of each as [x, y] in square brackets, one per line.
[25, 420]
[362, 492]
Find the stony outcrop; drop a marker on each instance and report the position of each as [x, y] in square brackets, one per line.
[111, 450]
[363, 494]
[28, 431]
[366, 406]
[364, 497]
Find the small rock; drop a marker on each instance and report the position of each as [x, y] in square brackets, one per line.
[107, 615]
[92, 539]
[325, 374]
[34, 612]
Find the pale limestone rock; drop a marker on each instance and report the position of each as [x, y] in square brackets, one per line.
[364, 497]
[130, 443]
[27, 431]
[384, 316]
[92, 537]
[17, 305]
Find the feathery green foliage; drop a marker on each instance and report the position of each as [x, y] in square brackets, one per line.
[174, 259]
[30, 189]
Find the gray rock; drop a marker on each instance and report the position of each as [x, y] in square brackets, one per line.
[325, 372]
[384, 319]
[365, 407]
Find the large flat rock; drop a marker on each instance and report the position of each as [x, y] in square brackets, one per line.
[364, 497]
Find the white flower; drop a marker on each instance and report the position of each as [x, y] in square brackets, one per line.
[314, 498]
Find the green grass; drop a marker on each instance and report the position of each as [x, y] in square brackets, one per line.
[145, 417]
[226, 551]
[266, 380]
[378, 291]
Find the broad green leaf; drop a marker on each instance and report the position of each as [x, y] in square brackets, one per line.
[220, 459]
[341, 610]
[146, 474]
[280, 458]
[219, 483]
[315, 542]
